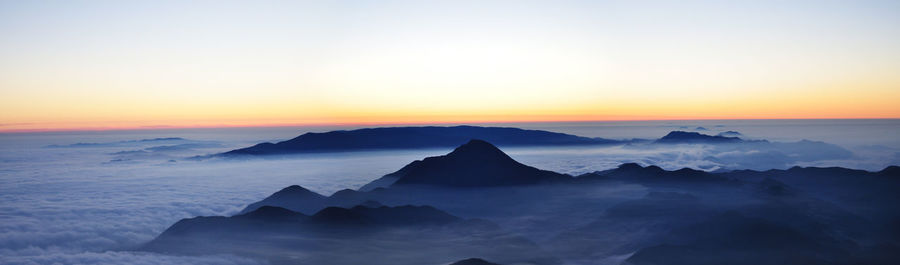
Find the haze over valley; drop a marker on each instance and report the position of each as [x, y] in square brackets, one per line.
[151, 179]
[489, 132]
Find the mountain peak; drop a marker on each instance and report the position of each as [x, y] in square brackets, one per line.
[630, 166]
[476, 144]
[474, 164]
[294, 189]
[294, 198]
[480, 149]
[297, 191]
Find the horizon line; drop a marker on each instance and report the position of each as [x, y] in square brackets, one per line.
[353, 124]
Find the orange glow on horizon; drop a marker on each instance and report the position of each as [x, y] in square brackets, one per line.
[409, 121]
[324, 63]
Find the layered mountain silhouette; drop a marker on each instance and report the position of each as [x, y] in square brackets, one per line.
[358, 217]
[729, 151]
[476, 164]
[479, 164]
[334, 235]
[412, 138]
[476, 201]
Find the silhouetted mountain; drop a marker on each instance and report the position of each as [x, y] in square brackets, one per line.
[891, 171]
[473, 261]
[406, 235]
[299, 199]
[414, 137]
[267, 219]
[474, 164]
[730, 134]
[800, 215]
[678, 137]
[632, 172]
[295, 198]
[273, 214]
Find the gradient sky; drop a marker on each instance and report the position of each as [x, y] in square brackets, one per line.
[124, 64]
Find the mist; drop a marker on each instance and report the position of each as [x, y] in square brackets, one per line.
[95, 202]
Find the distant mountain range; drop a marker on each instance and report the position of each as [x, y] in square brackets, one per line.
[476, 201]
[354, 235]
[412, 138]
[392, 138]
[679, 137]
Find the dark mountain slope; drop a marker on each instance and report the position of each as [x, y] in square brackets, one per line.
[392, 216]
[632, 172]
[405, 235]
[295, 198]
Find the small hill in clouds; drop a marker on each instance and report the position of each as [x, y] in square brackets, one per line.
[677, 137]
[473, 261]
[730, 134]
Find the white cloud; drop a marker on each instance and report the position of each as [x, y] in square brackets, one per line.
[69, 206]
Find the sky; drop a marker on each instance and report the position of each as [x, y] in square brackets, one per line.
[135, 64]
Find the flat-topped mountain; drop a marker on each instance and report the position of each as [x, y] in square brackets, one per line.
[676, 137]
[413, 137]
[473, 261]
[474, 164]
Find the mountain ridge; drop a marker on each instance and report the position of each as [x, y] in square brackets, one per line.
[386, 138]
[480, 182]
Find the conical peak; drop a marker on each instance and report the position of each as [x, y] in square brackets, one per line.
[477, 148]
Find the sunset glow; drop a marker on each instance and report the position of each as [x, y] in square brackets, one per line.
[113, 65]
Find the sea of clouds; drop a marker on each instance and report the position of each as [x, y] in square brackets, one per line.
[89, 198]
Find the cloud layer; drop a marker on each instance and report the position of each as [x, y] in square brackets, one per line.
[90, 204]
